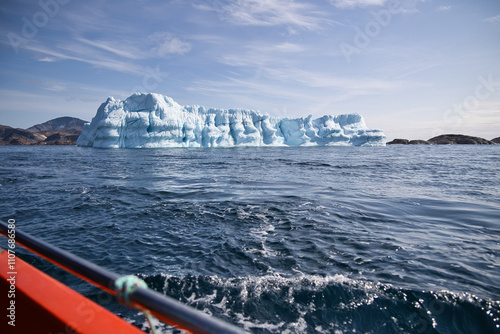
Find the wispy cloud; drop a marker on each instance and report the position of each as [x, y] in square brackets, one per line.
[92, 35]
[167, 43]
[357, 3]
[93, 17]
[493, 19]
[408, 61]
[262, 55]
[123, 57]
[297, 93]
[357, 86]
[309, 86]
[403, 6]
[278, 71]
[268, 13]
[79, 53]
[252, 93]
[109, 47]
[71, 89]
[285, 47]
[444, 8]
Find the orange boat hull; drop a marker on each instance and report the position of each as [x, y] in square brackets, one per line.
[44, 305]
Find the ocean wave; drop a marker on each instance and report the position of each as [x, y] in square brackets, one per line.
[329, 304]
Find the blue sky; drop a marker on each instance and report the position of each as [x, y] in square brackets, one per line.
[413, 68]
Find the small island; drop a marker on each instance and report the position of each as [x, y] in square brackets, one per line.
[447, 139]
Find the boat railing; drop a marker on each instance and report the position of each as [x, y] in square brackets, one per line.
[162, 307]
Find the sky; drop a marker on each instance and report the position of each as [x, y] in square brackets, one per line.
[412, 68]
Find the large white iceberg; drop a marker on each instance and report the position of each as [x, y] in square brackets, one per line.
[154, 120]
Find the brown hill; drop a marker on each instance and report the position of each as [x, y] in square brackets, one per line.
[65, 124]
[59, 131]
[12, 136]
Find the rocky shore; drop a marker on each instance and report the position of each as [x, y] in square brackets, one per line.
[448, 139]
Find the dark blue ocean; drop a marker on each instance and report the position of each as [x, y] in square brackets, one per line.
[397, 239]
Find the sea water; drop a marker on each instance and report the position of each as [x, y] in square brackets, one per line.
[397, 239]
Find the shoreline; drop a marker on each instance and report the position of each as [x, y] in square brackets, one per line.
[447, 139]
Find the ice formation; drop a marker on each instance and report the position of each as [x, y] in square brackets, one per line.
[154, 120]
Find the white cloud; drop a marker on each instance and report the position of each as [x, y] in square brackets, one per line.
[278, 71]
[288, 47]
[277, 50]
[85, 55]
[47, 59]
[269, 13]
[355, 86]
[57, 87]
[493, 19]
[444, 8]
[109, 47]
[294, 83]
[357, 3]
[262, 55]
[119, 57]
[404, 6]
[167, 44]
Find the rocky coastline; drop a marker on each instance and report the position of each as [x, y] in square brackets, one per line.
[447, 139]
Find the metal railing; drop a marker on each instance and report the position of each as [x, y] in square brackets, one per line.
[164, 308]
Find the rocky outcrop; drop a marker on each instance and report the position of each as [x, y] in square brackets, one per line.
[450, 139]
[60, 138]
[419, 142]
[59, 131]
[447, 140]
[398, 141]
[13, 136]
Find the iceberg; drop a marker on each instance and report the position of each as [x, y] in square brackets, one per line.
[154, 121]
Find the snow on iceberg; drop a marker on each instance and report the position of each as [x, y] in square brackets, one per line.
[154, 120]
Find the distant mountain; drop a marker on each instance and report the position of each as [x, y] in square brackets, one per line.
[58, 131]
[496, 140]
[65, 124]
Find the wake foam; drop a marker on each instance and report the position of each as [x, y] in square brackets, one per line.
[328, 304]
